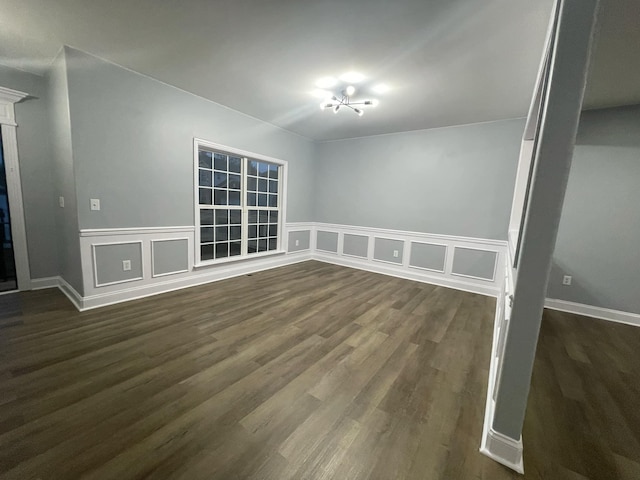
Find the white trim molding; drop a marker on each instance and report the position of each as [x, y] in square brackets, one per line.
[600, 313]
[116, 282]
[153, 258]
[8, 125]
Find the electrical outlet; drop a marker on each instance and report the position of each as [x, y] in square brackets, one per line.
[61, 201]
[566, 280]
[297, 243]
[126, 265]
[95, 204]
[395, 254]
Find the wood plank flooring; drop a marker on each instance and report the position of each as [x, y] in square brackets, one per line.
[311, 371]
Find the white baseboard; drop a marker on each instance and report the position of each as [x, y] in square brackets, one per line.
[400, 272]
[595, 312]
[502, 449]
[197, 277]
[71, 293]
[45, 282]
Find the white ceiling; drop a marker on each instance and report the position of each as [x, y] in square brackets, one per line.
[448, 62]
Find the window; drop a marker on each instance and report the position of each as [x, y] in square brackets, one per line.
[239, 198]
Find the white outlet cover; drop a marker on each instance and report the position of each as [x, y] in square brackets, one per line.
[297, 242]
[61, 201]
[566, 280]
[395, 253]
[126, 265]
[95, 204]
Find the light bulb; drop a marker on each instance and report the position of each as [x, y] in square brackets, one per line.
[358, 111]
[336, 108]
[350, 90]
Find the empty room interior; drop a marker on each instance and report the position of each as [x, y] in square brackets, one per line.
[320, 240]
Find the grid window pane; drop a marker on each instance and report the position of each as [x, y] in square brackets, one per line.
[206, 252]
[204, 178]
[262, 245]
[206, 217]
[263, 185]
[220, 161]
[252, 246]
[252, 199]
[273, 244]
[262, 199]
[235, 217]
[235, 249]
[222, 217]
[264, 216]
[222, 234]
[273, 230]
[252, 168]
[234, 197]
[253, 216]
[234, 182]
[205, 196]
[273, 186]
[219, 197]
[205, 159]
[252, 184]
[273, 170]
[206, 235]
[235, 164]
[273, 216]
[253, 231]
[273, 200]
[222, 250]
[235, 233]
[263, 231]
[220, 180]
[263, 169]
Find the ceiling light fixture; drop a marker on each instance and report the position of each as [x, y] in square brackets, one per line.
[345, 101]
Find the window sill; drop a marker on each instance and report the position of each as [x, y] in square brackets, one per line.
[248, 258]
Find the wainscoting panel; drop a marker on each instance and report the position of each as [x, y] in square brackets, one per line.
[388, 250]
[169, 257]
[108, 261]
[475, 263]
[429, 256]
[299, 240]
[355, 245]
[327, 241]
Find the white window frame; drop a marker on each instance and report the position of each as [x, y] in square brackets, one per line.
[282, 202]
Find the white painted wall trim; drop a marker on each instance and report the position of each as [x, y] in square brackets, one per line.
[14, 186]
[600, 313]
[99, 232]
[45, 282]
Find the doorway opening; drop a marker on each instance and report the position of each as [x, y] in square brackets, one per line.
[8, 279]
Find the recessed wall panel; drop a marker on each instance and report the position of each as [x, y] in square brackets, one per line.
[327, 241]
[299, 240]
[356, 245]
[474, 263]
[170, 256]
[428, 255]
[388, 250]
[108, 262]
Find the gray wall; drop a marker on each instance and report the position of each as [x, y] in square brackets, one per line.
[599, 237]
[133, 147]
[63, 169]
[455, 181]
[36, 170]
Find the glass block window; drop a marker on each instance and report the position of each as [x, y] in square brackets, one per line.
[238, 204]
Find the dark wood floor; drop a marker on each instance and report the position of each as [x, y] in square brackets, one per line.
[311, 371]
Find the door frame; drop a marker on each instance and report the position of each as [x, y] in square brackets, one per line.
[8, 125]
